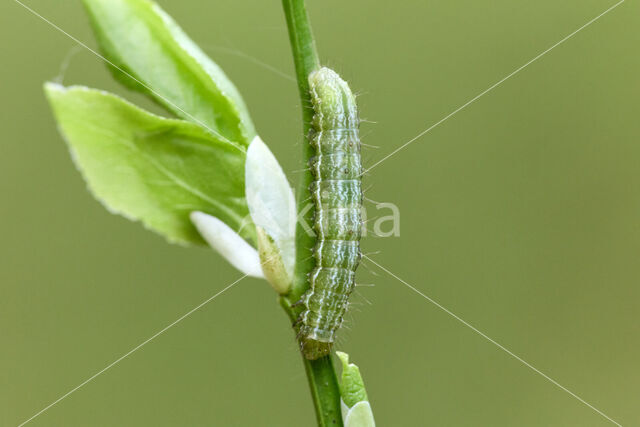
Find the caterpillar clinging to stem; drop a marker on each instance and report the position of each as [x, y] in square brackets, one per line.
[336, 192]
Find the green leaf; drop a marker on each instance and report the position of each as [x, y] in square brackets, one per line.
[141, 39]
[150, 168]
[351, 387]
[356, 410]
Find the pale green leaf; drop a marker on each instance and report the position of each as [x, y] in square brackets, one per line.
[150, 168]
[140, 39]
[351, 385]
[354, 404]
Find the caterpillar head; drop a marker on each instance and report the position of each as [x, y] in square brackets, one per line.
[333, 102]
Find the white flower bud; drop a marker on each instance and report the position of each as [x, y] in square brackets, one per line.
[228, 243]
[273, 211]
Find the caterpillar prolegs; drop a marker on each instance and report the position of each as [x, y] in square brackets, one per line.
[337, 195]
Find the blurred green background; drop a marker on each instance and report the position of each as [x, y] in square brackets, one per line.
[521, 214]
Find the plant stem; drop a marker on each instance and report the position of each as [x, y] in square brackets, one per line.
[306, 61]
[322, 382]
[320, 373]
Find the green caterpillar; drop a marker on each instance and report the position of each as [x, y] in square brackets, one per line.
[337, 195]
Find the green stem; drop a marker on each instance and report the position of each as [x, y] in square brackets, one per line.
[323, 382]
[320, 373]
[306, 61]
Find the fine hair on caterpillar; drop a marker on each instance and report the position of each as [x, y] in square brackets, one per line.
[336, 192]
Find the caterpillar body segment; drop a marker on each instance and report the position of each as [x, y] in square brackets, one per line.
[336, 192]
